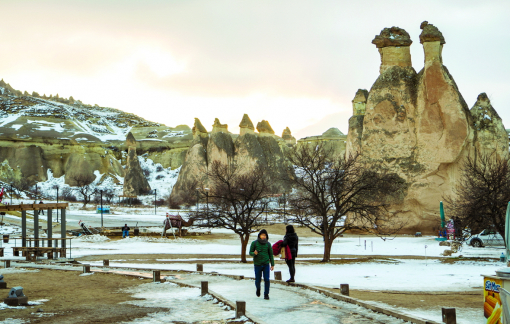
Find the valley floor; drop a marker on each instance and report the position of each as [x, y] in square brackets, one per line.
[407, 273]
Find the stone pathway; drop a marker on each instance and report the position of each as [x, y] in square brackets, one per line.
[288, 304]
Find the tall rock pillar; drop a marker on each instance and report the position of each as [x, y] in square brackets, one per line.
[388, 135]
[135, 182]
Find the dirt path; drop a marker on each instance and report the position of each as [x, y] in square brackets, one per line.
[76, 299]
[417, 299]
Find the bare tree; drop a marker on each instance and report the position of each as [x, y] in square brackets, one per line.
[480, 199]
[85, 187]
[236, 200]
[332, 194]
[18, 185]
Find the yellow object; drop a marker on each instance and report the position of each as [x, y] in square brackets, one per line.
[492, 301]
[487, 309]
[495, 316]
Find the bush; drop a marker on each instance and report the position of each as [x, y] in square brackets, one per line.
[68, 195]
[131, 201]
[159, 177]
[159, 168]
[174, 204]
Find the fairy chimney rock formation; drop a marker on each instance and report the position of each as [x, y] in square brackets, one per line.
[199, 129]
[490, 131]
[219, 127]
[419, 126]
[359, 103]
[264, 128]
[135, 182]
[287, 136]
[394, 47]
[246, 126]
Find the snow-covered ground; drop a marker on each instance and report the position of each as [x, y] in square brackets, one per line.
[185, 304]
[397, 264]
[400, 275]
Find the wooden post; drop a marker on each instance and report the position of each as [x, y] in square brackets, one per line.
[240, 308]
[36, 228]
[156, 276]
[7, 263]
[344, 289]
[106, 263]
[205, 288]
[200, 267]
[63, 232]
[49, 228]
[24, 228]
[449, 316]
[86, 268]
[277, 275]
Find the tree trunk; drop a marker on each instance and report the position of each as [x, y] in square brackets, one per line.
[244, 244]
[328, 242]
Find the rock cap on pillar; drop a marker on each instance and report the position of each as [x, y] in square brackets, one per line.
[287, 136]
[219, 127]
[130, 140]
[432, 40]
[264, 128]
[246, 125]
[430, 33]
[393, 36]
[198, 129]
[393, 45]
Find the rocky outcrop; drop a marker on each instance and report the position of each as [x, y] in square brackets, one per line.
[249, 150]
[490, 131]
[199, 129]
[246, 126]
[263, 128]
[332, 139]
[418, 125]
[287, 136]
[135, 182]
[219, 127]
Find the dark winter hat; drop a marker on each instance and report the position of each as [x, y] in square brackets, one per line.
[290, 229]
[263, 231]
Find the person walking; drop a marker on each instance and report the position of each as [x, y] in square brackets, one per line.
[125, 231]
[263, 261]
[291, 240]
[166, 225]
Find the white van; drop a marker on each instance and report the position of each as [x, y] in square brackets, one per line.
[487, 238]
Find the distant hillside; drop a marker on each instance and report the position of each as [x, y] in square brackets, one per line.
[24, 116]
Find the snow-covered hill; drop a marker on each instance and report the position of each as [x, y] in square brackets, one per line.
[25, 116]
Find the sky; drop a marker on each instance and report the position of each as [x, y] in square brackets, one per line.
[294, 63]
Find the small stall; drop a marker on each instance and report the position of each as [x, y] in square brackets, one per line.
[495, 302]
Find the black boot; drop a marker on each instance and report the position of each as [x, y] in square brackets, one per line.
[266, 297]
[258, 292]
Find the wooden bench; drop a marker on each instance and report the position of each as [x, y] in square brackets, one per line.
[32, 252]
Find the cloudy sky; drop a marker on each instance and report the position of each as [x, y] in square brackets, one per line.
[294, 63]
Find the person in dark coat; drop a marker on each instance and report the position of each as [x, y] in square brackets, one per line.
[125, 231]
[42, 210]
[291, 240]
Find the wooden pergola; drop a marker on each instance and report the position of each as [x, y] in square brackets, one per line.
[36, 208]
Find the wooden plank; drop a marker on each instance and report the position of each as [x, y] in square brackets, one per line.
[33, 207]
